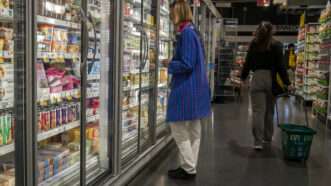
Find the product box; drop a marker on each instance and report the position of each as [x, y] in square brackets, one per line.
[7, 180]
[6, 85]
[43, 92]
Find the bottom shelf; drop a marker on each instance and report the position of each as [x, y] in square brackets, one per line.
[71, 174]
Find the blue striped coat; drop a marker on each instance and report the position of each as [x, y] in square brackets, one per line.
[189, 97]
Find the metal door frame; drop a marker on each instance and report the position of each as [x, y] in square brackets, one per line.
[23, 27]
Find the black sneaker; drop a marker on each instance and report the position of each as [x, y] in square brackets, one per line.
[180, 174]
[173, 170]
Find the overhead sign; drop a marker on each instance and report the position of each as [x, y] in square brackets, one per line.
[264, 3]
[280, 2]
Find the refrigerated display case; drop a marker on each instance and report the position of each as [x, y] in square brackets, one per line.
[98, 88]
[132, 38]
[165, 53]
[70, 86]
[10, 64]
[148, 66]
[58, 40]
[138, 76]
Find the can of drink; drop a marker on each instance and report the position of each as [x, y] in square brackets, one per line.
[77, 111]
[1, 131]
[69, 108]
[53, 121]
[4, 129]
[10, 126]
[74, 112]
[44, 127]
[58, 117]
[64, 115]
[40, 120]
[47, 120]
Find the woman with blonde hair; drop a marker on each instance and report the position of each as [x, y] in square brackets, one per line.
[189, 99]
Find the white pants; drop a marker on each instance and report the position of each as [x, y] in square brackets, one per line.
[187, 135]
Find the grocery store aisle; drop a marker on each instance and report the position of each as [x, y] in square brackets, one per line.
[227, 158]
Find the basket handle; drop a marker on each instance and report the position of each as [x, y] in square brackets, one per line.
[289, 94]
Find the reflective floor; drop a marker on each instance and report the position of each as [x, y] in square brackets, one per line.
[227, 159]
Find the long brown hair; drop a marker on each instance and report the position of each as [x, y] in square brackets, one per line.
[263, 36]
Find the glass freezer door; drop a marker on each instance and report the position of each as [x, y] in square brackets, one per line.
[98, 88]
[165, 45]
[131, 82]
[148, 73]
[58, 80]
[11, 83]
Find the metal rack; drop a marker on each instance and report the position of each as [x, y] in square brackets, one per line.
[225, 62]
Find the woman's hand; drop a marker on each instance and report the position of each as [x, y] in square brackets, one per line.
[165, 62]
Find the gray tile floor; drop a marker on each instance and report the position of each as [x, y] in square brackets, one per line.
[227, 159]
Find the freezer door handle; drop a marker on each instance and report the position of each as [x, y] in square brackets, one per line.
[146, 46]
[87, 18]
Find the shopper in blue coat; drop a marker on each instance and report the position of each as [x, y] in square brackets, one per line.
[189, 99]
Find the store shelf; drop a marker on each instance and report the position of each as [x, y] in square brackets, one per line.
[6, 55]
[92, 118]
[57, 22]
[135, 87]
[93, 77]
[58, 130]
[162, 85]
[92, 94]
[133, 19]
[56, 55]
[91, 35]
[134, 105]
[65, 175]
[137, 71]
[6, 149]
[132, 51]
[133, 33]
[164, 10]
[6, 19]
[164, 36]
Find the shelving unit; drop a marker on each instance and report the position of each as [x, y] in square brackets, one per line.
[239, 62]
[7, 92]
[320, 104]
[312, 50]
[225, 64]
[58, 90]
[307, 62]
[300, 69]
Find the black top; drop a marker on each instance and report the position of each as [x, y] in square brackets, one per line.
[266, 60]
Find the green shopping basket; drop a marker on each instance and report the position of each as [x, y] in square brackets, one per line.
[296, 138]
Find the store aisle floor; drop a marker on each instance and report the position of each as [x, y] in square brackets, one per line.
[227, 159]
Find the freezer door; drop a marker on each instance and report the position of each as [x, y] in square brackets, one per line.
[165, 53]
[131, 61]
[148, 74]
[58, 40]
[99, 88]
[12, 95]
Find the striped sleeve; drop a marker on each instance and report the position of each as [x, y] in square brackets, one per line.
[185, 61]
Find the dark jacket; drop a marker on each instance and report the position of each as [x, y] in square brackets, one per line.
[271, 59]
